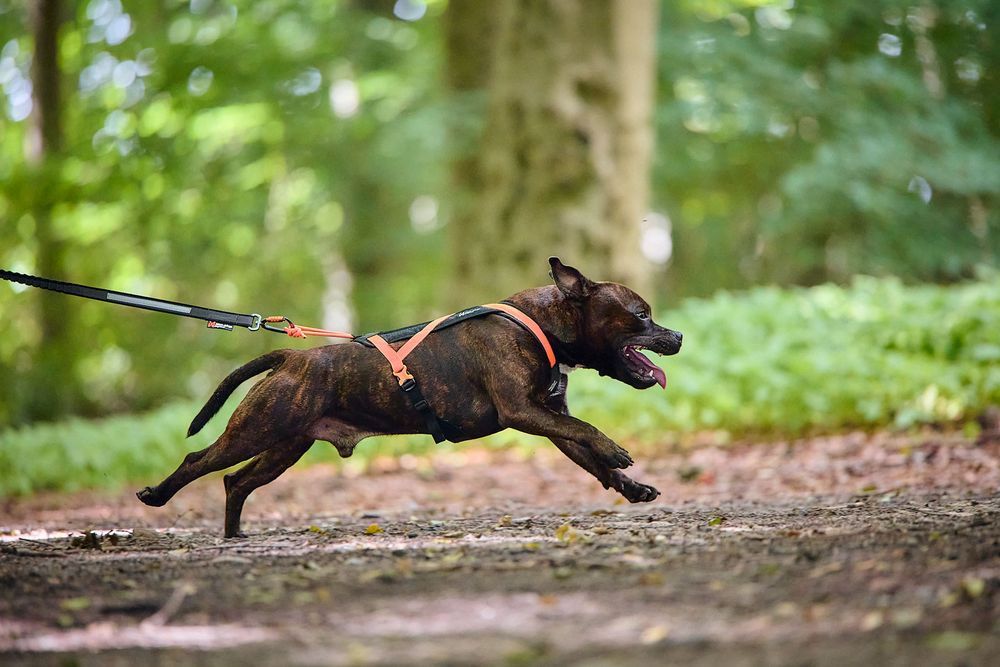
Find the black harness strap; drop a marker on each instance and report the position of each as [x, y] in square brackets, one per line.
[434, 425]
[405, 333]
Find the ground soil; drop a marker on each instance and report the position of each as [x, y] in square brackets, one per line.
[856, 549]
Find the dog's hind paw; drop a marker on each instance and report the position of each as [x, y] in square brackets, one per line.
[636, 492]
[149, 497]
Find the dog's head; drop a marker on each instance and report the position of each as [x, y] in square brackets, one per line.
[613, 324]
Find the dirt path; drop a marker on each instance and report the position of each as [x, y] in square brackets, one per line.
[851, 550]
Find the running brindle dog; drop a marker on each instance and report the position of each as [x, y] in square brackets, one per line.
[481, 375]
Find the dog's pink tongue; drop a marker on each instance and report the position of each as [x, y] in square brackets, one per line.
[654, 370]
[660, 376]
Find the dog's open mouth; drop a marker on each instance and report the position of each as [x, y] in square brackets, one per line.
[642, 367]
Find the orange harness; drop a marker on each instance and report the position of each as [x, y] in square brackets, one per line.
[439, 429]
[395, 357]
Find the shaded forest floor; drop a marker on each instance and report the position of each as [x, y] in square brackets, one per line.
[857, 549]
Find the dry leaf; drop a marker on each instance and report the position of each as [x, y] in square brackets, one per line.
[653, 634]
[872, 620]
[973, 587]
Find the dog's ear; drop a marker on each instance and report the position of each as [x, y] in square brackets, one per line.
[570, 282]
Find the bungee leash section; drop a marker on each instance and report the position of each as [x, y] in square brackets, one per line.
[381, 341]
[216, 319]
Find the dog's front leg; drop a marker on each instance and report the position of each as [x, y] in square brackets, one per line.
[540, 420]
[633, 491]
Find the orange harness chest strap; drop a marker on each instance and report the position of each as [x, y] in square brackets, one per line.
[530, 325]
[396, 357]
[396, 361]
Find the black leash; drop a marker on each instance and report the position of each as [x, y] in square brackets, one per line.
[217, 319]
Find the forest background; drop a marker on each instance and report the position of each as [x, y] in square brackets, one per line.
[807, 189]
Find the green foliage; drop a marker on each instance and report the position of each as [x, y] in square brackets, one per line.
[78, 454]
[789, 361]
[776, 361]
[807, 143]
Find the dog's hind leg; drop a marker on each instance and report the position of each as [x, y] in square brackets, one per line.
[264, 469]
[227, 451]
[267, 418]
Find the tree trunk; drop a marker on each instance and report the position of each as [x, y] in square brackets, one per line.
[470, 41]
[565, 156]
[54, 388]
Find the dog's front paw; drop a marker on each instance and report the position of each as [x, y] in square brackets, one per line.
[635, 492]
[613, 456]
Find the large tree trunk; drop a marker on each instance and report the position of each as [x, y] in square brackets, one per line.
[470, 41]
[564, 162]
[54, 388]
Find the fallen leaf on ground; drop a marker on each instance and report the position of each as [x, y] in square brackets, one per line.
[872, 620]
[651, 579]
[952, 640]
[567, 534]
[973, 587]
[75, 604]
[653, 634]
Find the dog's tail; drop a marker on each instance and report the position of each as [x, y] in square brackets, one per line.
[232, 381]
